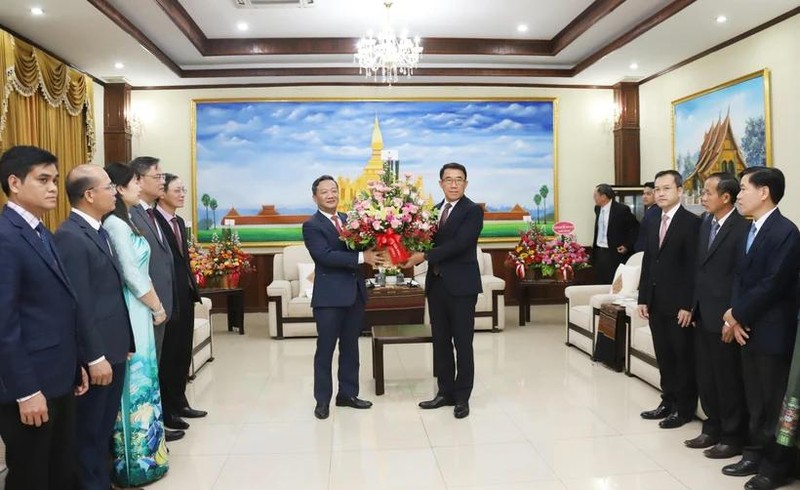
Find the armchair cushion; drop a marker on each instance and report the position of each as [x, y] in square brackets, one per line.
[305, 272]
[289, 303]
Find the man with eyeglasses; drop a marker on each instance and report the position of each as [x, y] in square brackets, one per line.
[105, 334]
[452, 285]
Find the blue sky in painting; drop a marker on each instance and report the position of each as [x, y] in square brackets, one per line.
[694, 117]
[270, 152]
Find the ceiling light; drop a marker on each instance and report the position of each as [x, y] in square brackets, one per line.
[37, 11]
[119, 65]
[242, 26]
[721, 19]
[386, 53]
[522, 28]
[633, 66]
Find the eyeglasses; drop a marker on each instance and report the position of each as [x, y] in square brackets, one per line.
[180, 190]
[456, 181]
[109, 187]
[155, 176]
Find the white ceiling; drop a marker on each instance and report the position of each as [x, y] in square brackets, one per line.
[78, 32]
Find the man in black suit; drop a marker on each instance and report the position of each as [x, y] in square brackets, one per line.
[665, 297]
[717, 357]
[452, 285]
[338, 299]
[651, 214]
[104, 328]
[615, 230]
[38, 330]
[176, 357]
[763, 316]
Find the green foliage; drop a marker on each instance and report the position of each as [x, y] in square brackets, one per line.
[754, 143]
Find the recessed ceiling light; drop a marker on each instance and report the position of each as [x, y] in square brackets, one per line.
[242, 26]
[37, 11]
[119, 65]
[522, 28]
[633, 66]
[721, 19]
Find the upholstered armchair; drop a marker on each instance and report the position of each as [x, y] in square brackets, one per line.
[289, 301]
[490, 309]
[203, 337]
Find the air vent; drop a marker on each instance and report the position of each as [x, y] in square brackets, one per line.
[250, 4]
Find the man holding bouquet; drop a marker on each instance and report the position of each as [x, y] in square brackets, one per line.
[452, 284]
[338, 299]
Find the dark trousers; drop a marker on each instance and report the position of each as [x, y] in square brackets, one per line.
[97, 412]
[765, 379]
[342, 325]
[605, 262]
[176, 356]
[40, 458]
[720, 385]
[674, 347]
[452, 325]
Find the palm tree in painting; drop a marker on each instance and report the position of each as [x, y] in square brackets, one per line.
[206, 200]
[544, 191]
[538, 200]
[213, 205]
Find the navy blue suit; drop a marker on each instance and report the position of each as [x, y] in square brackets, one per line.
[104, 329]
[651, 215]
[38, 352]
[338, 302]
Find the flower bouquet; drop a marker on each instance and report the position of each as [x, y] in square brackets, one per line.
[392, 216]
[224, 259]
[561, 254]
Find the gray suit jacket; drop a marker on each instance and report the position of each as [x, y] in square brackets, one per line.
[161, 271]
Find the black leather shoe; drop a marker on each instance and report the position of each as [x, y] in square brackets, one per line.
[190, 413]
[761, 482]
[352, 402]
[722, 451]
[674, 421]
[175, 423]
[461, 410]
[744, 467]
[438, 401]
[701, 442]
[658, 413]
[173, 435]
[321, 411]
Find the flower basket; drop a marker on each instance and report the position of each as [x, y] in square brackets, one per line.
[557, 257]
[222, 265]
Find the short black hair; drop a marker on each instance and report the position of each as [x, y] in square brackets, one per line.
[455, 166]
[76, 187]
[20, 160]
[319, 179]
[606, 190]
[727, 184]
[121, 175]
[769, 177]
[650, 184]
[142, 165]
[674, 173]
[168, 178]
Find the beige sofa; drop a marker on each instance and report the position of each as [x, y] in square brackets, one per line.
[203, 337]
[290, 312]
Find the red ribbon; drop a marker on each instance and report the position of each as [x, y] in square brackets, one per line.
[392, 242]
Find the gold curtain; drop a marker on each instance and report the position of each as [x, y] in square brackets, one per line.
[47, 104]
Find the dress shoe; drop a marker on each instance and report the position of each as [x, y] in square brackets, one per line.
[745, 467]
[761, 482]
[722, 451]
[674, 421]
[321, 411]
[701, 442]
[352, 402]
[175, 423]
[173, 435]
[461, 410]
[658, 413]
[438, 401]
[190, 413]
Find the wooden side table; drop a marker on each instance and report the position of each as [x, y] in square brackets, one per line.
[392, 305]
[612, 332]
[234, 298]
[539, 291]
[394, 334]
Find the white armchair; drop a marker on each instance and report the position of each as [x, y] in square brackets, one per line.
[640, 358]
[290, 311]
[203, 337]
[490, 310]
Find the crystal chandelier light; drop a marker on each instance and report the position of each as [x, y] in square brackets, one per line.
[386, 53]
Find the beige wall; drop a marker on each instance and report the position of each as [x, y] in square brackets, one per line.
[778, 49]
[585, 140]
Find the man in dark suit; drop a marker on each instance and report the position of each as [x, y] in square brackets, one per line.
[338, 299]
[177, 355]
[615, 230]
[763, 316]
[38, 331]
[452, 285]
[717, 358]
[665, 297]
[162, 273]
[104, 328]
[651, 214]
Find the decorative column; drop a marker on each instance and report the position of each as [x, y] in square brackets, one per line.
[117, 131]
[627, 163]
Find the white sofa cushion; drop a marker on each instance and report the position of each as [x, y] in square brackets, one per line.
[581, 316]
[642, 340]
[305, 273]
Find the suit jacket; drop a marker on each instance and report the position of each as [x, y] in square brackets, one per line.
[38, 316]
[338, 279]
[622, 228]
[715, 270]
[666, 283]
[161, 271]
[454, 249]
[184, 278]
[765, 286]
[104, 327]
[651, 215]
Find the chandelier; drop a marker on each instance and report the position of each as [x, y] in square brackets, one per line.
[386, 53]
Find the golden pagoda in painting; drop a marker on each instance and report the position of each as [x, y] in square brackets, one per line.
[719, 153]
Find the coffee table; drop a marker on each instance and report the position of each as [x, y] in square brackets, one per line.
[415, 333]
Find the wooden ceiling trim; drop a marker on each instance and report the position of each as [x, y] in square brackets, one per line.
[363, 84]
[580, 24]
[181, 18]
[348, 71]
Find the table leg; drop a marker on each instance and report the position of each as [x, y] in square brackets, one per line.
[378, 360]
[236, 311]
